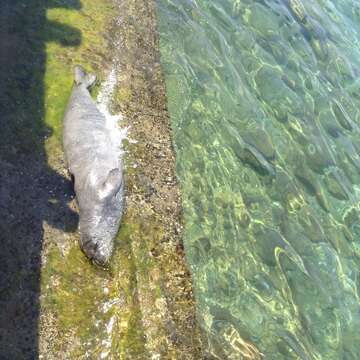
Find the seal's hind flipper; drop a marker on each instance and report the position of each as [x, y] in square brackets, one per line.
[81, 77]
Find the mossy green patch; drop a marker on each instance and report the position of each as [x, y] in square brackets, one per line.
[86, 46]
[123, 95]
[98, 308]
[75, 292]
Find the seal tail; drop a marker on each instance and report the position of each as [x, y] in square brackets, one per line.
[81, 77]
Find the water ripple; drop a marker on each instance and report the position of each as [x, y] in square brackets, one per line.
[264, 100]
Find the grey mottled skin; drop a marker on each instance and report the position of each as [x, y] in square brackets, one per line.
[96, 168]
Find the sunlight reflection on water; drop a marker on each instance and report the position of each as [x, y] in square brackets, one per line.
[264, 100]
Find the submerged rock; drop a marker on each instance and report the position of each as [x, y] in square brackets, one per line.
[261, 140]
[329, 122]
[283, 188]
[312, 227]
[264, 286]
[294, 233]
[341, 115]
[275, 92]
[267, 240]
[298, 10]
[317, 39]
[312, 186]
[251, 156]
[307, 179]
[319, 156]
[266, 23]
[337, 185]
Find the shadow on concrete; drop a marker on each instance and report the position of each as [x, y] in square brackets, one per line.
[31, 193]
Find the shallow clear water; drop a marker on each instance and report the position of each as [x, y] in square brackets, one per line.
[264, 98]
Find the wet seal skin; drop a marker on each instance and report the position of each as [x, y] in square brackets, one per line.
[96, 168]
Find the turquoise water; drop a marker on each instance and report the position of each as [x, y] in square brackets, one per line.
[264, 98]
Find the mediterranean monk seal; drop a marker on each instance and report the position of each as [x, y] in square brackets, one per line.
[96, 168]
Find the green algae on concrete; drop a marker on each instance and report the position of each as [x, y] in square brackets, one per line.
[92, 21]
[77, 299]
[142, 306]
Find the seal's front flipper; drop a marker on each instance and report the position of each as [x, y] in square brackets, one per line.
[81, 77]
[112, 184]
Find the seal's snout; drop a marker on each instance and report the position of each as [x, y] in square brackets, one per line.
[94, 252]
[100, 259]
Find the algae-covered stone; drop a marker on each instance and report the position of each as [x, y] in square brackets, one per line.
[276, 93]
[263, 21]
[280, 53]
[250, 62]
[244, 39]
[351, 217]
[341, 115]
[337, 238]
[297, 128]
[241, 213]
[251, 156]
[221, 17]
[294, 233]
[226, 327]
[304, 289]
[337, 184]
[282, 185]
[260, 139]
[329, 122]
[289, 81]
[356, 142]
[267, 240]
[317, 39]
[347, 233]
[286, 350]
[298, 10]
[312, 227]
[312, 185]
[232, 204]
[269, 83]
[200, 249]
[308, 179]
[350, 171]
[339, 65]
[318, 154]
[177, 93]
[348, 150]
[353, 87]
[304, 52]
[323, 200]
[264, 286]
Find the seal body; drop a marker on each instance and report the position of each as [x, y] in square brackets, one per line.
[96, 168]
